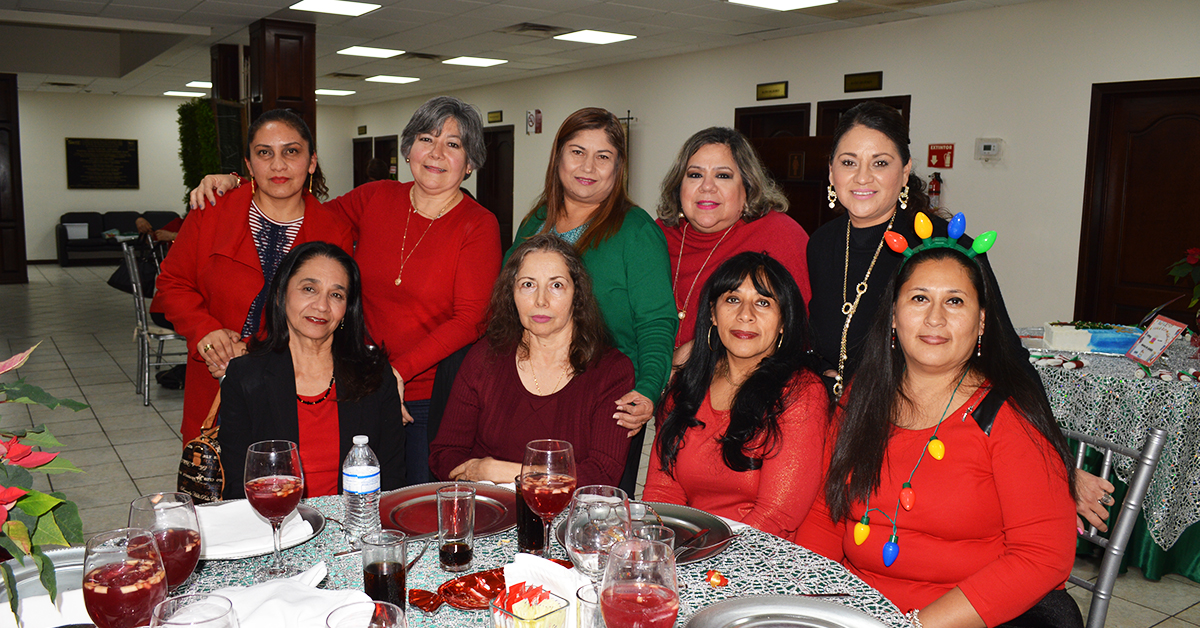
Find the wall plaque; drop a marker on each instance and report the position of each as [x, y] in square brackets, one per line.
[102, 164]
[771, 91]
[864, 82]
[495, 116]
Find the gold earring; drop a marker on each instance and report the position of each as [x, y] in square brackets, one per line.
[253, 187]
[710, 340]
[831, 195]
[310, 185]
[406, 160]
[904, 198]
[779, 345]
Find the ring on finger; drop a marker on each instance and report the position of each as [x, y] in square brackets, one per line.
[207, 348]
[1105, 499]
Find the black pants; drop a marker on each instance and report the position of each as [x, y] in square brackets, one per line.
[1057, 610]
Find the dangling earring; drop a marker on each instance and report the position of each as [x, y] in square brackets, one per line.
[893, 338]
[710, 338]
[253, 187]
[310, 185]
[832, 196]
[342, 325]
[779, 345]
[979, 347]
[904, 198]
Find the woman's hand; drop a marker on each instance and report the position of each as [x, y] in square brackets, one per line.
[486, 469]
[219, 347]
[210, 188]
[1093, 495]
[633, 411]
[681, 355]
[404, 415]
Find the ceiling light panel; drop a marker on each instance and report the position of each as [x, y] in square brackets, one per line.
[334, 92]
[383, 78]
[185, 94]
[475, 62]
[367, 51]
[336, 7]
[200, 84]
[783, 5]
[594, 37]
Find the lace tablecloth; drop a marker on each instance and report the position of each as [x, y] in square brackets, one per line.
[755, 562]
[1108, 399]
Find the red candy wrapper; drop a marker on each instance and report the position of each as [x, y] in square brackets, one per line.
[715, 579]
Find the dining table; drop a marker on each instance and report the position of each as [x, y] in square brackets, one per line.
[754, 562]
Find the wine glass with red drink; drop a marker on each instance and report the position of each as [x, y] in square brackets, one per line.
[124, 578]
[274, 484]
[548, 480]
[639, 589]
[171, 518]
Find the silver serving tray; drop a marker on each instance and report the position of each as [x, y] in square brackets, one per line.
[68, 569]
[306, 512]
[780, 611]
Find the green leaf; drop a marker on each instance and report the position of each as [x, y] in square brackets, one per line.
[48, 533]
[1196, 274]
[13, 548]
[10, 586]
[39, 436]
[19, 533]
[66, 517]
[59, 465]
[12, 475]
[1178, 271]
[46, 573]
[20, 392]
[36, 504]
[17, 361]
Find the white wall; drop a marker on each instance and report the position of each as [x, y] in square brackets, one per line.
[335, 154]
[1022, 73]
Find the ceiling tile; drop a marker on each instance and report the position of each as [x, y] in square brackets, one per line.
[950, 7]
[71, 7]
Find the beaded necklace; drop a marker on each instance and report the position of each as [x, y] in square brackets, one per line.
[323, 397]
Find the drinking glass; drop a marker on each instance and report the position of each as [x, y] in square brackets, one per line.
[274, 484]
[587, 602]
[385, 566]
[456, 526]
[171, 517]
[529, 525]
[124, 578]
[366, 615]
[597, 518]
[201, 610]
[547, 481]
[654, 532]
[639, 589]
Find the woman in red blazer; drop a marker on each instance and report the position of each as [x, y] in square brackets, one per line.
[215, 281]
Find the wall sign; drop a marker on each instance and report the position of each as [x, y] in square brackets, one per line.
[864, 82]
[362, 130]
[941, 155]
[102, 164]
[533, 121]
[771, 91]
[495, 116]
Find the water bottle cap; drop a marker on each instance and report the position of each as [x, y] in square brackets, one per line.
[360, 440]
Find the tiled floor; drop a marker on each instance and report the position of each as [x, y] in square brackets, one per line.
[127, 449]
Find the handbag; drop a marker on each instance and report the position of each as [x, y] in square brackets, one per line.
[147, 265]
[201, 474]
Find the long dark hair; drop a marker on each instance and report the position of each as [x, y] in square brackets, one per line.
[753, 433]
[315, 181]
[889, 121]
[357, 366]
[877, 396]
[505, 332]
[611, 213]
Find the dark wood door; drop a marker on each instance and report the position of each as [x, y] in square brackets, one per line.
[363, 152]
[387, 148]
[494, 189]
[797, 162]
[12, 211]
[830, 111]
[1140, 210]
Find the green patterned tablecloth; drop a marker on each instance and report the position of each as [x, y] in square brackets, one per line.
[755, 562]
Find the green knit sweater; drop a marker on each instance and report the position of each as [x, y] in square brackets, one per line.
[631, 277]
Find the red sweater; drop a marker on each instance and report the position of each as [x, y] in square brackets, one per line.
[776, 497]
[211, 277]
[441, 304]
[318, 423]
[994, 517]
[775, 234]
[490, 413]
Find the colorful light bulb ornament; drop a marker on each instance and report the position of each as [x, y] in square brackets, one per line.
[891, 550]
[924, 229]
[936, 448]
[908, 497]
[862, 530]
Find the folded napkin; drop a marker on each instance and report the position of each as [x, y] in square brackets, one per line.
[537, 571]
[289, 602]
[231, 529]
[39, 612]
[735, 526]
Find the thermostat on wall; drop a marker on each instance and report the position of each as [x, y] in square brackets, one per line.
[988, 148]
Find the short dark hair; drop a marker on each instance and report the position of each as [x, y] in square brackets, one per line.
[762, 193]
[889, 121]
[505, 331]
[357, 366]
[315, 181]
[431, 116]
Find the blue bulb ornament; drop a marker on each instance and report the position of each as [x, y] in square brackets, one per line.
[958, 226]
[890, 551]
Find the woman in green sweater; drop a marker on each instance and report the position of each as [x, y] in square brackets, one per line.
[585, 202]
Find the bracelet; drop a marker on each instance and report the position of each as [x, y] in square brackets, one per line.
[911, 616]
[239, 180]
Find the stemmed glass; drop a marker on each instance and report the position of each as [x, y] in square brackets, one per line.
[639, 589]
[123, 578]
[547, 480]
[597, 519]
[274, 485]
[171, 517]
[200, 610]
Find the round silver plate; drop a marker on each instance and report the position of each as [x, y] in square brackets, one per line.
[306, 512]
[780, 611]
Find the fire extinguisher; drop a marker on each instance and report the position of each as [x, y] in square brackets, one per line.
[935, 191]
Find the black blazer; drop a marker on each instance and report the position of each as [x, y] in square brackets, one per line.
[258, 402]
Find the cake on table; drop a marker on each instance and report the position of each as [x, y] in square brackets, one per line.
[1082, 337]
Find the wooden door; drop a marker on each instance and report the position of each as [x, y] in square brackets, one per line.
[387, 148]
[12, 212]
[797, 162]
[494, 189]
[1140, 211]
[363, 152]
[830, 111]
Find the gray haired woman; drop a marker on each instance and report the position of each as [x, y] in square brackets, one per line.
[429, 255]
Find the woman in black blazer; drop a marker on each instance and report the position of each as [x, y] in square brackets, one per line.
[311, 378]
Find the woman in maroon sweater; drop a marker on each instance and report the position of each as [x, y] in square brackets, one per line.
[545, 371]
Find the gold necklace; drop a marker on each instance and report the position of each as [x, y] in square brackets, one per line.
[679, 262]
[537, 386]
[404, 241]
[849, 308]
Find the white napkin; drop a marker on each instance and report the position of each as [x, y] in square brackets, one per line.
[39, 612]
[232, 529]
[537, 571]
[735, 526]
[289, 602]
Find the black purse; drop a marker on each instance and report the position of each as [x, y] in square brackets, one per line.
[201, 474]
[148, 269]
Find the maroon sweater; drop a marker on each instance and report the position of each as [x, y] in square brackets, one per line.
[491, 414]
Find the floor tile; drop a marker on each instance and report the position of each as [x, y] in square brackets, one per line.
[139, 435]
[1191, 614]
[1174, 622]
[157, 484]
[115, 493]
[96, 476]
[70, 428]
[1166, 596]
[153, 449]
[103, 518]
[1121, 613]
[87, 458]
[140, 468]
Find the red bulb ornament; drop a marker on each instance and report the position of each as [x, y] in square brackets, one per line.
[908, 497]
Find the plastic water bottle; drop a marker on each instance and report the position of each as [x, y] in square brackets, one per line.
[360, 486]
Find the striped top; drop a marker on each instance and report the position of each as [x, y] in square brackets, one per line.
[272, 240]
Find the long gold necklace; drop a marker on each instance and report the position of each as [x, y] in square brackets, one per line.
[849, 308]
[679, 262]
[538, 387]
[404, 241]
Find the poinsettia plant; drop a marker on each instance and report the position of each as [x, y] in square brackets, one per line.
[31, 520]
[1189, 266]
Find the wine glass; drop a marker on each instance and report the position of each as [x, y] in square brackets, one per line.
[274, 485]
[200, 610]
[366, 615]
[547, 481]
[124, 578]
[171, 517]
[639, 589]
[597, 518]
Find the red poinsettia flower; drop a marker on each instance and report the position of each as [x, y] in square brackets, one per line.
[8, 499]
[23, 455]
[1193, 256]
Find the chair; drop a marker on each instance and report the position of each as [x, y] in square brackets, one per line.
[1118, 538]
[146, 332]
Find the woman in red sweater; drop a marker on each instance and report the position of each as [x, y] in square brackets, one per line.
[745, 418]
[948, 487]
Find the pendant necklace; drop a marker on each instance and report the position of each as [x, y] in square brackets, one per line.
[848, 308]
[538, 387]
[413, 202]
[679, 262]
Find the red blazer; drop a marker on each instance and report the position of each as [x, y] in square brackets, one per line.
[211, 277]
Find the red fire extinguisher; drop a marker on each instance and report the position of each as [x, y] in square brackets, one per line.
[935, 191]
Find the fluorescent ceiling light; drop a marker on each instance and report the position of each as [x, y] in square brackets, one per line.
[383, 78]
[200, 84]
[185, 94]
[367, 51]
[475, 62]
[334, 92]
[783, 5]
[336, 7]
[594, 37]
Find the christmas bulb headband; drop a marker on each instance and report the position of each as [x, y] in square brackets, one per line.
[924, 229]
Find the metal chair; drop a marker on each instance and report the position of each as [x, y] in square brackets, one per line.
[147, 332]
[1118, 538]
